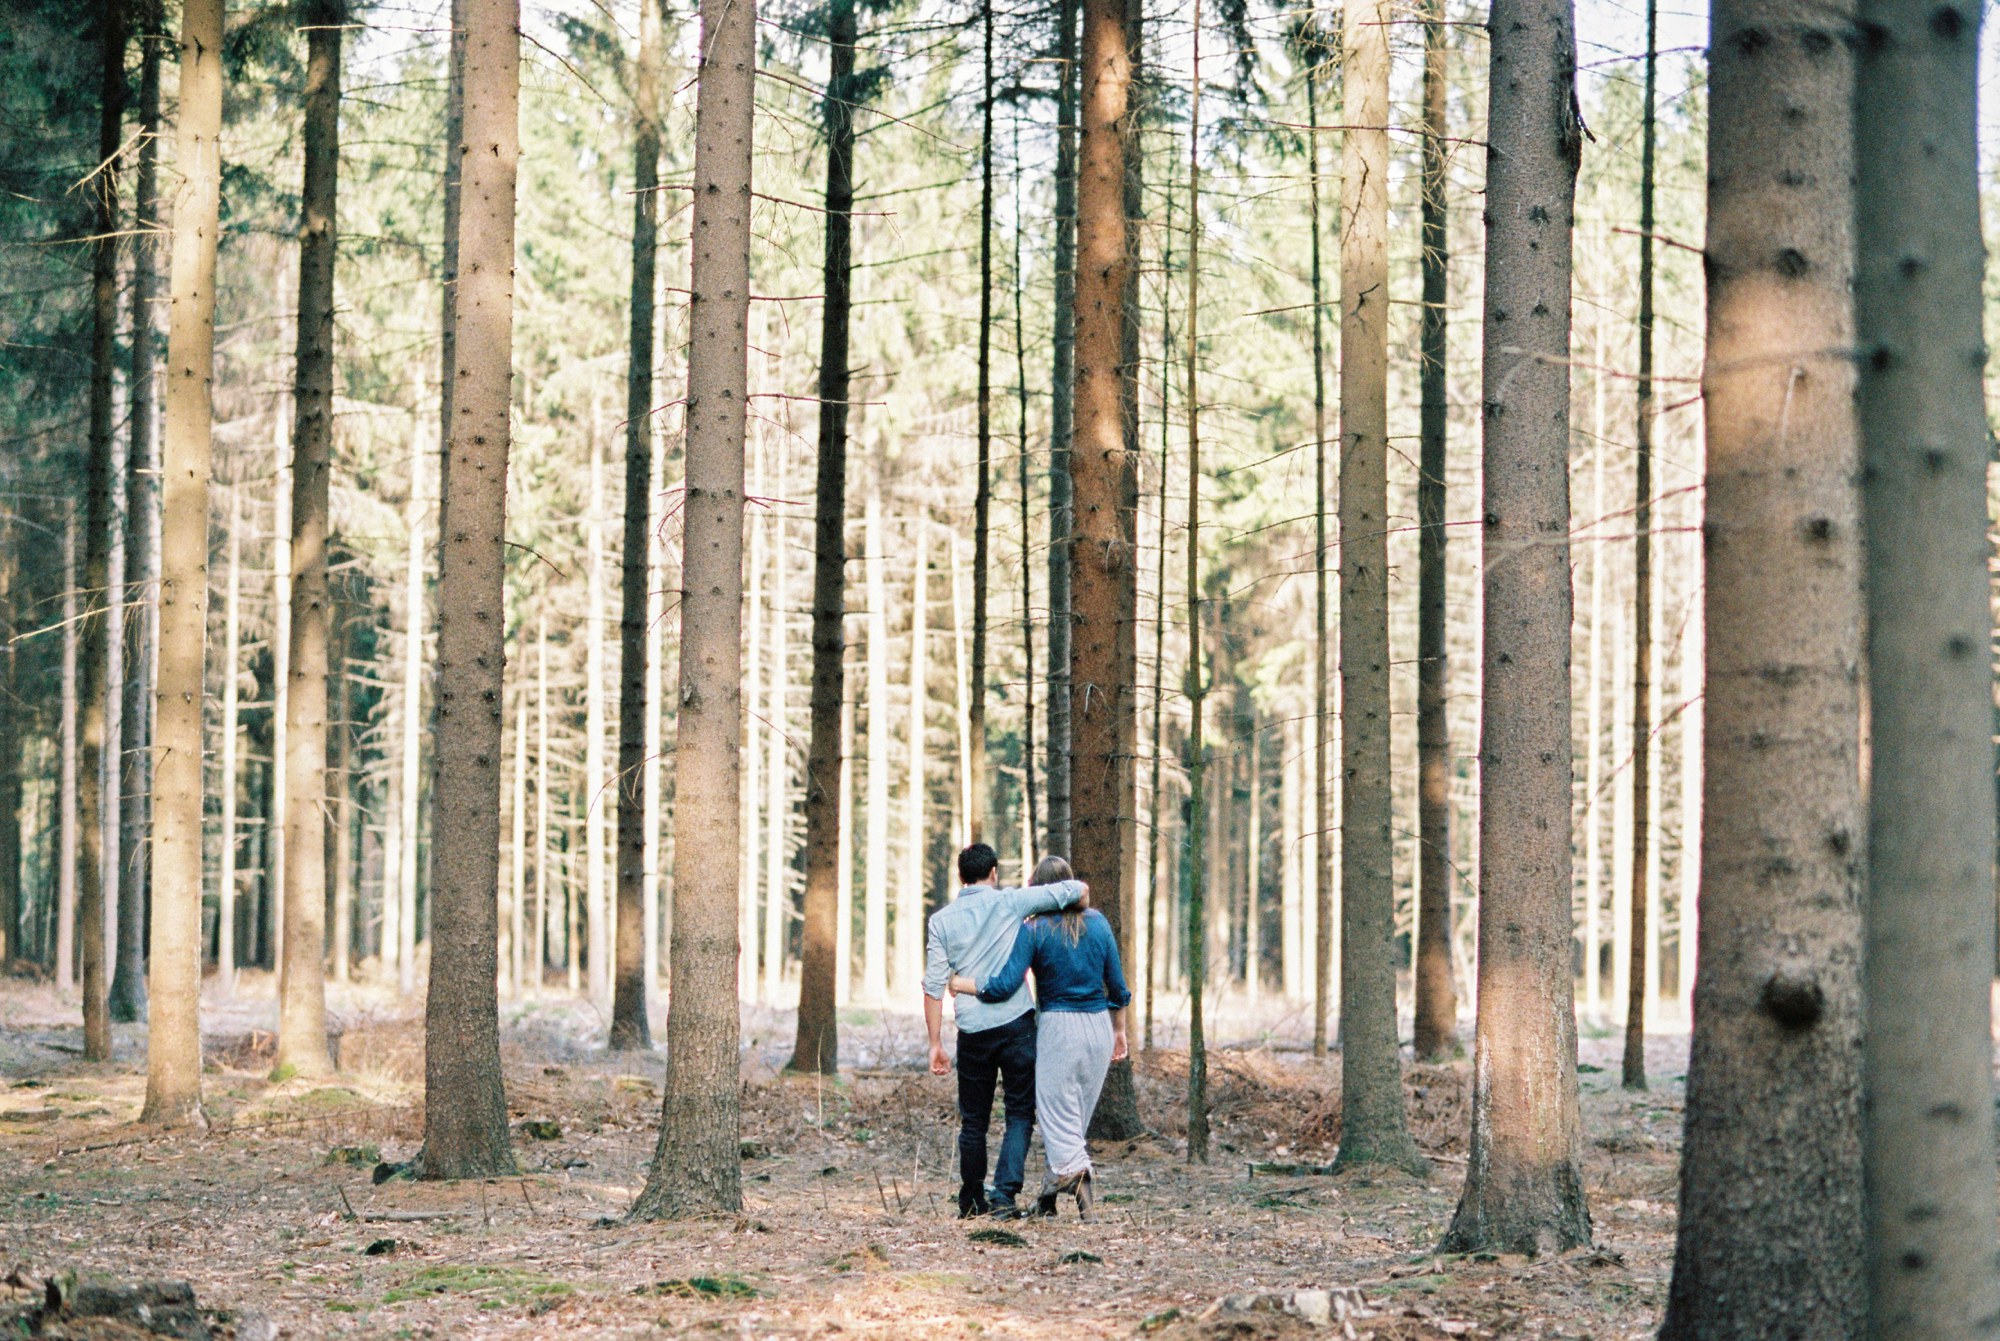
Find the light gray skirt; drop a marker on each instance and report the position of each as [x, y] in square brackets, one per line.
[1072, 1053]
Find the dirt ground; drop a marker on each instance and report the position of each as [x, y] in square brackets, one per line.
[847, 1225]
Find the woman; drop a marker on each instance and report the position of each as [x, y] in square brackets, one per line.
[1081, 998]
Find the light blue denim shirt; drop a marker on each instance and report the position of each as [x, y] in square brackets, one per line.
[974, 934]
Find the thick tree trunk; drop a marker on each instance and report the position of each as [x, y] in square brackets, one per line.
[302, 986]
[1062, 431]
[142, 520]
[465, 1108]
[629, 1027]
[1319, 791]
[1374, 1128]
[1104, 557]
[821, 969]
[1927, 1086]
[454, 194]
[910, 892]
[1771, 1162]
[1195, 847]
[173, 1046]
[1524, 1179]
[695, 1165]
[100, 517]
[1437, 1003]
[1640, 978]
[875, 857]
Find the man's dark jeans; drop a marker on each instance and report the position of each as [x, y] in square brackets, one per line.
[1005, 1053]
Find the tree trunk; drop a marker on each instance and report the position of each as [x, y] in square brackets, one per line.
[1639, 980]
[654, 736]
[1373, 1126]
[695, 1165]
[1062, 432]
[454, 194]
[96, 739]
[411, 753]
[1031, 819]
[543, 845]
[910, 893]
[142, 468]
[1196, 845]
[1771, 1162]
[12, 942]
[1927, 1084]
[597, 795]
[465, 1108]
[843, 853]
[1103, 556]
[752, 791]
[1437, 1003]
[1524, 1179]
[1159, 944]
[982, 497]
[66, 836]
[777, 816]
[302, 986]
[173, 1045]
[958, 624]
[227, 952]
[821, 970]
[271, 829]
[629, 1027]
[875, 896]
[1593, 769]
[1320, 914]
[339, 814]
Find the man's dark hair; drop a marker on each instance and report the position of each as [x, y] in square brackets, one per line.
[976, 863]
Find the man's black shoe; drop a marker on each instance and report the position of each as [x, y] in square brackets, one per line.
[972, 1202]
[1005, 1209]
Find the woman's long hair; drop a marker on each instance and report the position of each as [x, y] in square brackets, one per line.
[1053, 870]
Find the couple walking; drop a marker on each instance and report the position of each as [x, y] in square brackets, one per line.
[1050, 1055]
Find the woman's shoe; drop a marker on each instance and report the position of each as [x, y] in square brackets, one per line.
[1086, 1197]
[1053, 1188]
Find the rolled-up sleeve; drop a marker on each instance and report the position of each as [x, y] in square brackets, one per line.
[937, 967]
[1115, 989]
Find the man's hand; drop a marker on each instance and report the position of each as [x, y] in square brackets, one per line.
[940, 1064]
[1119, 1049]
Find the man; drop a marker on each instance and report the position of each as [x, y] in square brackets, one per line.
[973, 935]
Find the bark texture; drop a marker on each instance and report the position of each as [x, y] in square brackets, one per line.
[817, 1047]
[1104, 556]
[142, 541]
[1524, 1181]
[1927, 1086]
[982, 497]
[1437, 1001]
[1770, 1204]
[1195, 851]
[629, 1026]
[1373, 1127]
[695, 1167]
[1062, 431]
[465, 1108]
[97, 731]
[173, 1041]
[302, 984]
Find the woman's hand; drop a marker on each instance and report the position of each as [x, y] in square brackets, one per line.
[960, 983]
[1120, 1050]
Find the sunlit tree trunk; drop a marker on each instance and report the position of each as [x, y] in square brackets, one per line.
[514, 922]
[465, 1108]
[1593, 768]
[66, 836]
[982, 497]
[1104, 554]
[1771, 1163]
[226, 949]
[843, 942]
[598, 797]
[777, 738]
[173, 1047]
[752, 790]
[695, 1169]
[12, 939]
[910, 892]
[1374, 1128]
[1927, 1085]
[1437, 1002]
[964, 714]
[302, 988]
[339, 811]
[822, 962]
[1319, 867]
[875, 857]
[1159, 909]
[637, 678]
[543, 844]
[1524, 1180]
[411, 747]
[1194, 860]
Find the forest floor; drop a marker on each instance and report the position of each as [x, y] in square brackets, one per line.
[846, 1227]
